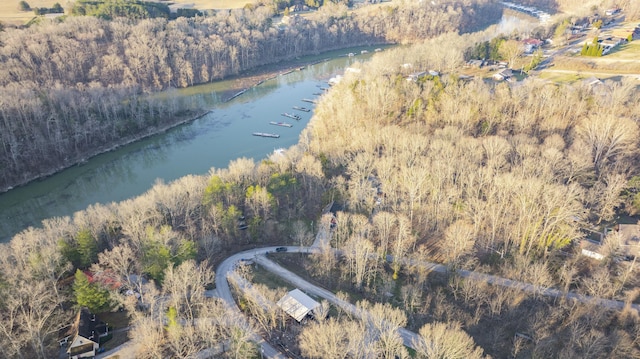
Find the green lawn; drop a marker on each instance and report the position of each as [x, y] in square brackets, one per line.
[630, 51]
[561, 77]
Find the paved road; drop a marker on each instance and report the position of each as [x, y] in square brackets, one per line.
[224, 292]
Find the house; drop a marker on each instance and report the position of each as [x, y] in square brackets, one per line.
[416, 76]
[629, 236]
[475, 63]
[83, 336]
[297, 304]
[530, 45]
[591, 249]
[611, 12]
[629, 239]
[107, 279]
[503, 75]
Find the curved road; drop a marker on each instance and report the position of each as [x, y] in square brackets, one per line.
[225, 268]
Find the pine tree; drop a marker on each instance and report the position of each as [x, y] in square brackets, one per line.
[585, 49]
[90, 295]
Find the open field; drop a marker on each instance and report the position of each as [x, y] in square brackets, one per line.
[623, 62]
[11, 14]
[630, 51]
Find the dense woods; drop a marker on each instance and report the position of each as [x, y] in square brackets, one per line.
[70, 89]
[496, 178]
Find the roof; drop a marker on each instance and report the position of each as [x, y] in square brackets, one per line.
[297, 304]
[534, 42]
[86, 323]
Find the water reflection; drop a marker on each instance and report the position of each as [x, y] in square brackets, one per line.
[211, 141]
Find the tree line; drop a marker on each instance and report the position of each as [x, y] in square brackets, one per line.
[73, 88]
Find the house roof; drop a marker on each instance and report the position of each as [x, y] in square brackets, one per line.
[533, 42]
[297, 304]
[629, 235]
[87, 325]
[106, 278]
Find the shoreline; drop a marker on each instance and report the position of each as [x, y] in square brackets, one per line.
[242, 83]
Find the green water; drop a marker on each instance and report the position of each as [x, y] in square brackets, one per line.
[194, 148]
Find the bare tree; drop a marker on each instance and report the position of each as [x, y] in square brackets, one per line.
[446, 340]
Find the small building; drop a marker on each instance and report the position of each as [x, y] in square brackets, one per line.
[531, 45]
[611, 12]
[83, 336]
[475, 63]
[629, 239]
[591, 249]
[629, 235]
[416, 76]
[297, 304]
[503, 75]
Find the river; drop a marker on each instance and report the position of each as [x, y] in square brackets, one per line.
[222, 135]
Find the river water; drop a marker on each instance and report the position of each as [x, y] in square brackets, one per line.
[214, 140]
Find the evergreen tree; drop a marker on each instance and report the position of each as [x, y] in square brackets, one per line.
[24, 6]
[90, 295]
[87, 247]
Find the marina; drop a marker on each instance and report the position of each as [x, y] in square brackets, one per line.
[266, 134]
[283, 124]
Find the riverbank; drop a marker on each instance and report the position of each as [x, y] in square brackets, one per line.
[239, 84]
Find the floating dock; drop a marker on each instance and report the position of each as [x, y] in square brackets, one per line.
[293, 116]
[283, 124]
[264, 134]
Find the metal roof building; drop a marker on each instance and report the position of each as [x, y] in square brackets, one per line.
[297, 304]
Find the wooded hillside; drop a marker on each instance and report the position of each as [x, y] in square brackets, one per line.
[73, 88]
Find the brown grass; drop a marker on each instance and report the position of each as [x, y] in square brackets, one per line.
[10, 13]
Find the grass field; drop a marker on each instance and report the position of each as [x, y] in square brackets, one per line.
[10, 13]
[630, 51]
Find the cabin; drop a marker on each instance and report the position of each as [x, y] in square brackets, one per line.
[297, 304]
[83, 336]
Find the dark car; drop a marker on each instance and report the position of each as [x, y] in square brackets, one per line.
[281, 249]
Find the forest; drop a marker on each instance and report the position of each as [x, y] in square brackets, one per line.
[74, 88]
[495, 178]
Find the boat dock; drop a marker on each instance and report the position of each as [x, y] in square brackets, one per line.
[264, 134]
[283, 124]
[293, 116]
[301, 108]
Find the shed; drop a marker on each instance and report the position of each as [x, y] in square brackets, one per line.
[297, 304]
